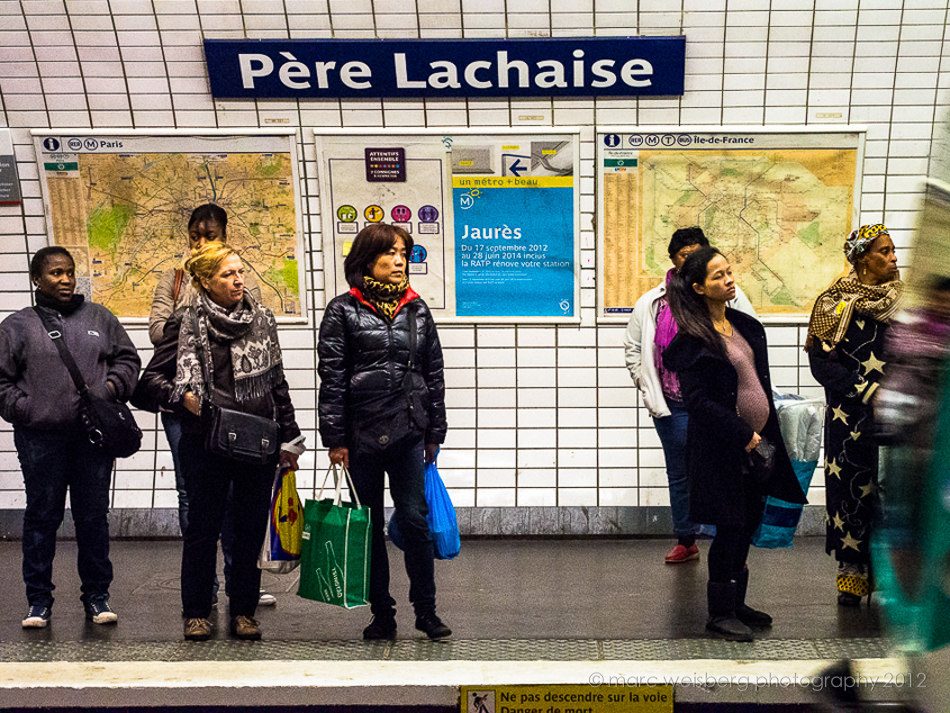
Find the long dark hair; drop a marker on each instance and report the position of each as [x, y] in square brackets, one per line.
[371, 242]
[688, 307]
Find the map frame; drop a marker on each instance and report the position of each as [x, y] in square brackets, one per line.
[617, 145]
[64, 146]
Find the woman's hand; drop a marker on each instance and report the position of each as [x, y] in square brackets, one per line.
[288, 460]
[192, 403]
[432, 449]
[340, 455]
[756, 440]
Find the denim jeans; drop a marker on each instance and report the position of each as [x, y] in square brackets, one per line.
[672, 432]
[405, 463]
[52, 463]
[208, 479]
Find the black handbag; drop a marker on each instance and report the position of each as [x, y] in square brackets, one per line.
[108, 423]
[760, 462]
[242, 436]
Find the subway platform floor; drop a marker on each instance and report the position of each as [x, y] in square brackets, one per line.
[522, 612]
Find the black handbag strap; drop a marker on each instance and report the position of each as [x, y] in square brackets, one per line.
[57, 336]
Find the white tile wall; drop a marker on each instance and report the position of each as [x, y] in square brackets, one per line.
[540, 415]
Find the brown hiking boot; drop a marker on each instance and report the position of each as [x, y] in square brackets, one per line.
[246, 627]
[197, 629]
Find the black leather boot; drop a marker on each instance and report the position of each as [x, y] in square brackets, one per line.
[721, 598]
[746, 614]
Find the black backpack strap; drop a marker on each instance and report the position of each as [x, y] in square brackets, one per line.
[57, 336]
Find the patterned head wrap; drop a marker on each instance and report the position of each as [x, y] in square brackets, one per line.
[860, 240]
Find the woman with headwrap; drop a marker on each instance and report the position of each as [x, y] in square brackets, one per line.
[221, 352]
[845, 348]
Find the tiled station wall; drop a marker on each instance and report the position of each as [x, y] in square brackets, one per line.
[539, 415]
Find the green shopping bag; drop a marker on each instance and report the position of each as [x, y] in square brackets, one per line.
[335, 557]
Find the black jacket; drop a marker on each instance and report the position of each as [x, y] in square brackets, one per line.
[367, 389]
[157, 382]
[716, 436]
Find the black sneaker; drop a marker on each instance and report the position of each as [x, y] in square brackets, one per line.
[382, 627]
[98, 611]
[37, 617]
[432, 626]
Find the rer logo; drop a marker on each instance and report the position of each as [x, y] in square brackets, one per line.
[636, 140]
[74, 144]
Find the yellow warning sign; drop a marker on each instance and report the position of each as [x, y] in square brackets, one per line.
[567, 699]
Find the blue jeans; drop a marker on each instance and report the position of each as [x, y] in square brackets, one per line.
[52, 463]
[405, 463]
[208, 480]
[672, 432]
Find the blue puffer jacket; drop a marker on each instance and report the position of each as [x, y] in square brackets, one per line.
[372, 390]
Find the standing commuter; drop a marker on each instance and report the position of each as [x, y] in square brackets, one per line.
[38, 396]
[721, 357]
[222, 352]
[208, 223]
[846, 351]
[650, 331]
[382, 410]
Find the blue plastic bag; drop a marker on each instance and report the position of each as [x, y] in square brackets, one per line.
[443, 524]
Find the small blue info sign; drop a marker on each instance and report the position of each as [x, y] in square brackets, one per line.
[576, 66]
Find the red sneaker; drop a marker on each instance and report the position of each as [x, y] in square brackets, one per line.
[681, 553]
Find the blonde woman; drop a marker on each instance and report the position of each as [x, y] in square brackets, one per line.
[221, 352]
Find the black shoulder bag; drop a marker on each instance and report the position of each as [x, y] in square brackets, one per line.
[109, 423]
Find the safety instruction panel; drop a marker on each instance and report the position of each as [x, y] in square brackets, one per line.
[120, 203]
[778, 203]
[567, 699]
[493, 217]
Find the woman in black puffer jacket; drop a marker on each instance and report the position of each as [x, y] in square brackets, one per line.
[382, 410]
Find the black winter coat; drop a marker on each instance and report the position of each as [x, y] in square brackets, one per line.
[716, 436]
[369, 395]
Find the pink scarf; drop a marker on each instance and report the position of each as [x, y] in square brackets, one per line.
[665, 331]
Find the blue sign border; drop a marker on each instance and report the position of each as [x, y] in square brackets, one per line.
[573, 66]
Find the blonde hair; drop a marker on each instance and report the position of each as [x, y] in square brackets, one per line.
[205, 262]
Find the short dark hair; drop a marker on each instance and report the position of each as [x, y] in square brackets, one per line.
[42, 257]
[684, 237]
[209, 213]
[371, 242]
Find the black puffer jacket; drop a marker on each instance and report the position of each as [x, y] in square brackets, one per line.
[368, 397]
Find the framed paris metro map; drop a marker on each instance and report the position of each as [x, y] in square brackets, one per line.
[777, 201]
[120, 203]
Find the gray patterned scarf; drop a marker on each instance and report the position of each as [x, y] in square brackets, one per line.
[255, 351]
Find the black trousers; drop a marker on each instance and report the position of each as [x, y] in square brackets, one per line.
[730, 547]
[207, 479]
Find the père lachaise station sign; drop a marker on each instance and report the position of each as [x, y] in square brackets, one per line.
[325, 69]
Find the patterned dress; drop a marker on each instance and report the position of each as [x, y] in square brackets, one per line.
[850, 372]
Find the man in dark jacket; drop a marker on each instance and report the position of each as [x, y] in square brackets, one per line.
[38, 396]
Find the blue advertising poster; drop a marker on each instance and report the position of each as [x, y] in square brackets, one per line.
[514, 246]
